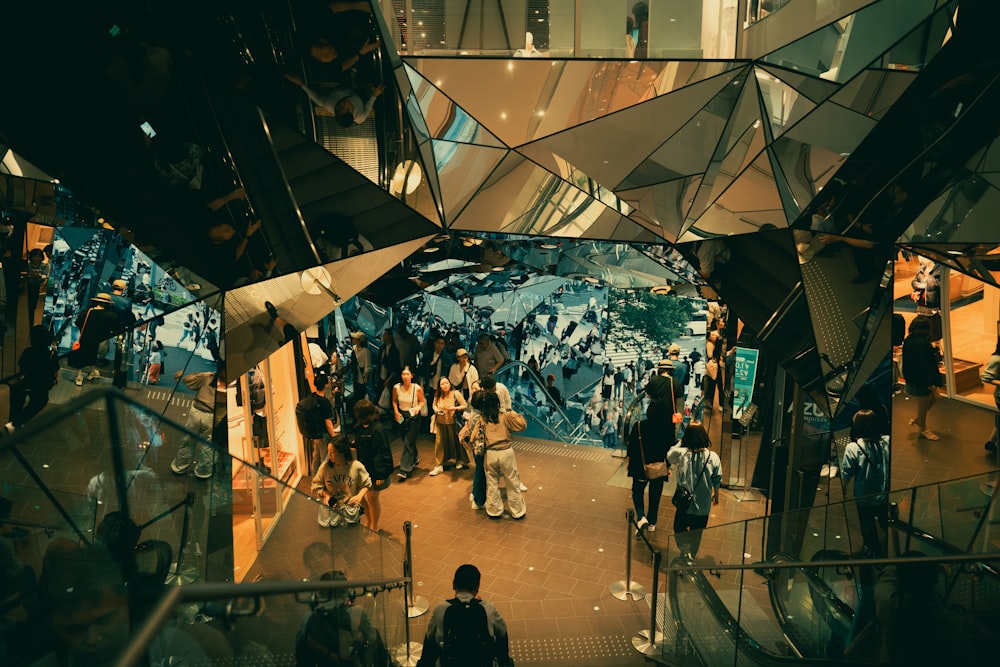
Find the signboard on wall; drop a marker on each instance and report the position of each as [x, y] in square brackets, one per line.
[744, 377]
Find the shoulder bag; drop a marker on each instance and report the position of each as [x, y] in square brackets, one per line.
[656, 469]
[683, 498]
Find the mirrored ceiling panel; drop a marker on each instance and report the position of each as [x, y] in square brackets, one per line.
[783, 105]
[631, 135]
[840, 282]
[804, 169]
[873, 92]
[963, 213]
[833, 127]
[744, 133]
[750, 204]
[521, 100]
[979, 260]
[793, 21]
[665, 203]
[443, 119]
[262, 317]
[462, 169]
[839, 50]
[684, 153]
[527, 199]
[816, 89]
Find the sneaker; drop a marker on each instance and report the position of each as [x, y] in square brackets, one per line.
[94, 374]
[472, 501]
[180, 470]
[651, 528]
[402, 477]
[640, 524]
[523, 488]
[203, 474]
[929, 435]
[459, 466]
[79, 380]
[437, 470]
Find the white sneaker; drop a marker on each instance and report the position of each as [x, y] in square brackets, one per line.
[79, 380]
[437, 471]
[640, 524]
[523, 488]
[94, 374]
[459, 466]
[651, 528]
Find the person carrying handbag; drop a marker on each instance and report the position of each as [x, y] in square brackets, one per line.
[647, 447]
[699, 471]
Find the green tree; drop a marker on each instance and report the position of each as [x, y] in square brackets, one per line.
[661, 318]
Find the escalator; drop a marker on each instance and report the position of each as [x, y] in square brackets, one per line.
[547, 419]
[805, 611]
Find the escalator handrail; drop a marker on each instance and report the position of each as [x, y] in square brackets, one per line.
[732, 629]
[937, 543]
[513, 364]
[834, 606]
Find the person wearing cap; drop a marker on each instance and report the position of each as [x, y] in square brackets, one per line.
[97, 324]
[362, 365]
[463, 374]
[682, 372]
[121, 303]
[489, 359]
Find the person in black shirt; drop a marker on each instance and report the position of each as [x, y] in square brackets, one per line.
[39, 373]
[97, 324]
[920, 371]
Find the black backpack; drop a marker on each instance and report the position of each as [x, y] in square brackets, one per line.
[327, 631]
[467, 638]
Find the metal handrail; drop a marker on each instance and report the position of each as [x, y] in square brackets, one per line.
[575, 438]
[135, 653]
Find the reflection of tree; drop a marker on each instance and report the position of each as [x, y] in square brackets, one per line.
[662, 318]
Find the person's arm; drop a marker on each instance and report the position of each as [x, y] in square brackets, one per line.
[716, 466]
[676, 454]
[360, 115]
[318, 485]
[849, 465]
[419, 407]
[330, 427]
[365, 482]
[242, 246]
[395, 404]
[459, 404]
[514, 421]
[216, 204]
[431, 650]
[351, 61]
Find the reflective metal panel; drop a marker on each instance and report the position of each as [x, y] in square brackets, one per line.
[462, 169]
[443, 119]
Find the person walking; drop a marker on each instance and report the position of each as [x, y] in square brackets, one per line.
[447, 402]
[484, 643]
[647, 444]
[39, 372]
[699, 470]
[921, 374]
[207, 412]
[99, 323]
[991, 376]
[490, 430]
[866, 461]
[407, 405]
[316, 422]
[373, 451]
[362, 365]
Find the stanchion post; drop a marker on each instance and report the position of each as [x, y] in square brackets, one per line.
[409, 653]
[649, 642]
[622, 589]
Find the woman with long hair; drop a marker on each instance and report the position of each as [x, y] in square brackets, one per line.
[648, 443]
[372, 447]
[447, 402]
[699, 470]
[866, 461]
[407, 404]
[991, 375]
[492, 430]
[920, 371]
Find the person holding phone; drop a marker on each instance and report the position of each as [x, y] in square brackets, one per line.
[447, 401]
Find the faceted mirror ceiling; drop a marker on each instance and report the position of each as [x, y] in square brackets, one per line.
[778, 180]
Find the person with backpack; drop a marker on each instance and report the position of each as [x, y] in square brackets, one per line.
[315, 419]
[372, 447]
[866, 463]
[39, 373]
[337, 632]
[465, 630]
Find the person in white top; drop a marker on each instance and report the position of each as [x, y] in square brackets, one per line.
[408, 404]
[699, 470]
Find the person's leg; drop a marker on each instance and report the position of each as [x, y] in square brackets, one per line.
[869, 530]
[479, 481]
[655, 491]
[374, 509]
[681, 526]
[18, 395]
[494, 502]
[205, 464]
[696, 524]
[408, 459]
[439, 446]
[318, 450]
[508, 467]
[36, 401]
[638, 497]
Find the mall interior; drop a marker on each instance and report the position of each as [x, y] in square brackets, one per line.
[213, 212]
